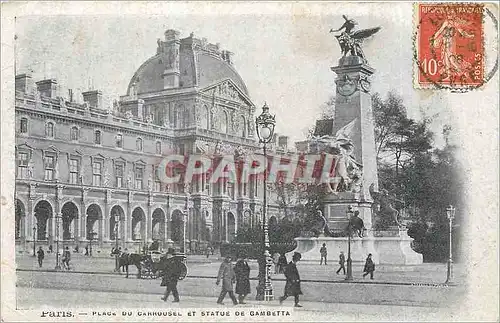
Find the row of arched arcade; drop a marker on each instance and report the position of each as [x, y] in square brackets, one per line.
[74, 226]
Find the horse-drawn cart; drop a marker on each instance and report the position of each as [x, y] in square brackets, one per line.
[150, 265]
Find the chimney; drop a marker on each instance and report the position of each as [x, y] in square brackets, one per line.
[275, 138]
[171, 58]
[70, 95]
[47, 88]
[283, 142]
[134, 106]
[93, 98]
[171, 35]
[24, 83]
[227, 56]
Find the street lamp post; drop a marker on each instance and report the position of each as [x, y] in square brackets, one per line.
[91, 237]
[58, 260]
[349, 260]
[34, 241]
[265, 123]
[450, 214]
[184, 223]
[117, 263]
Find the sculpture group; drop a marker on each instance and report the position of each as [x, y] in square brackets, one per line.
[350, 41]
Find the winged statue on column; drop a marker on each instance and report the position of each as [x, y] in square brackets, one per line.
[350, 41]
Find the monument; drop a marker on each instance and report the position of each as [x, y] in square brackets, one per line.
[354, 197]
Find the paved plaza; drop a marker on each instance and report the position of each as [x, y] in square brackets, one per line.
[200, 266]
[397, 292]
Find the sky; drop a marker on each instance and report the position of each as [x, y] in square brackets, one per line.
[283, 54]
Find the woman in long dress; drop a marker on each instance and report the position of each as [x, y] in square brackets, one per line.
[242, 271]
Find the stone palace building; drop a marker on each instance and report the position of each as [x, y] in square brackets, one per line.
[87, 172]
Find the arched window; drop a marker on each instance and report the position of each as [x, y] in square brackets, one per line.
[138, 144]
[97, 137]
[204, 118]
[49, 129]
[224, 123]
[74, 134]
[243, 126]
[24, 125]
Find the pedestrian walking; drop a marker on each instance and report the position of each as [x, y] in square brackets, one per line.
[171, 276]
[207, 252]
[40, 256]
[323, 252]
[282, 262]
[242, 272]
[341, 262]
[86, 250]
[292, 286]
[227, 275]
[276, 259]
[66, 258]
[51, 249]
[369, 266]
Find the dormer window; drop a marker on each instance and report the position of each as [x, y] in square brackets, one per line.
[97, 137]
[49, 130]
[23, 128]
[119, 141]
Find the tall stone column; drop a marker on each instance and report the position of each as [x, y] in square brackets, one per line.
[101, 230]
[148, 224]
[128, 220]
[83, 216]
[30, 221]
[353, 104]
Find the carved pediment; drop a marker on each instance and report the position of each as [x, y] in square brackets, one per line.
[227, 90]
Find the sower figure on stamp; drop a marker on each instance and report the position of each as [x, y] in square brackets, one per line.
[171, 276]
[369, 266]
[242, 272]
[341, 262]
[227, 275]
[292, 286]
[323, 252]
[40, 256]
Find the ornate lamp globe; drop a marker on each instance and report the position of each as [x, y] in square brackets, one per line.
[450, 212]
[265, 123]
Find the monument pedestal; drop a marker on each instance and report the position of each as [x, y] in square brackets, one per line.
[395, 250]
[353, 129]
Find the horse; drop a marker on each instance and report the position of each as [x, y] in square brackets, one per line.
[139, 261]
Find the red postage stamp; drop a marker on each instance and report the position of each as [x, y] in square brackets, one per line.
[449, 45]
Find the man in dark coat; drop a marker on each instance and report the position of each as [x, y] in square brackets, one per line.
[292, 286]
[369, 266]
[171, 276]
[341, 262]
[226, 274]
[242, 272]
[66, 258]
[40, 255]
[323, 252]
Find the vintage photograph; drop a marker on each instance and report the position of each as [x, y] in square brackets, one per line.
[309, 161]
